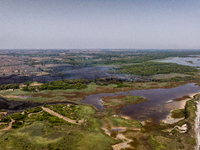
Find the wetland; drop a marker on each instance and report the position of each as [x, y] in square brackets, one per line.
[71, 100]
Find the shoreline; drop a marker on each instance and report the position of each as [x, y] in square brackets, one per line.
[197, 125]
[168, 119]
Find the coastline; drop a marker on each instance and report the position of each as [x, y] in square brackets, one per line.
[197, 125]
[168, 119]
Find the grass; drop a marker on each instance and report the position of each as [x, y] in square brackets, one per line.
[190, 109]
[132, 99]
[33, 110]
[3, 126]
[178, 113]
[168, 76]
[155, 144]
[34, 137]
[53, 95]
[44, 131]
[95, 141]
[147, 85]
[15, 92]
[167, 143]
[121, 122]
[191, 141]
[68, 111]
[117, 102]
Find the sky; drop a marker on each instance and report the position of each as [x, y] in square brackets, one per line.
[99, 24]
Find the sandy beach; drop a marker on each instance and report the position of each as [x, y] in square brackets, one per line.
[197, 128]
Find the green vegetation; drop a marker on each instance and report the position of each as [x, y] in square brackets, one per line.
[125, 57]
[33, 110]
[44, 131]
[113, 134]
[37, 129]
[121, 122]
[117, 102]
[18, 116]
[178, 113]
[55, 121]
[155, 144]
[27, 83]
[152, 68]
[132, 99]
[5, 119]
[168, 76]
[68, 111]
[9, 86]
[17, 124]
[163, 143]
[191, 141]
[59, 84]
[190, 109]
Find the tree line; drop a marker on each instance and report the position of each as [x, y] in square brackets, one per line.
[9, 86]
[59, 84]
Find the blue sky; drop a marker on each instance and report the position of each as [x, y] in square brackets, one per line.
[99, 24]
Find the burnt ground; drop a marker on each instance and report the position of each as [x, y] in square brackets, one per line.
[17, 106]
[67, 72]
[58, 73]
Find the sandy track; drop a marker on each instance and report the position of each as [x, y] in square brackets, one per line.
[9, 126]
[124, 144]
[197, 127]
[59, 116]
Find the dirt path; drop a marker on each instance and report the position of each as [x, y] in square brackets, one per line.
[9, 126]
[3, 123]
[124, 144]
[4, 113]
[29, 115]
[60, 116]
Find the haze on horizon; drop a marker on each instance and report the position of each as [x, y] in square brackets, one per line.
[99, 24]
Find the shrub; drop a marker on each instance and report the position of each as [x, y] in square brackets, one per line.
[17, 124]
[18, 116]
[113, 134]
[5, 119]
[34, 110]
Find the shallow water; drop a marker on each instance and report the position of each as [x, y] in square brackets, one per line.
[188, 61]
[158, 106]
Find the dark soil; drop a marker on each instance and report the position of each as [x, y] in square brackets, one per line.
[15, 106]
